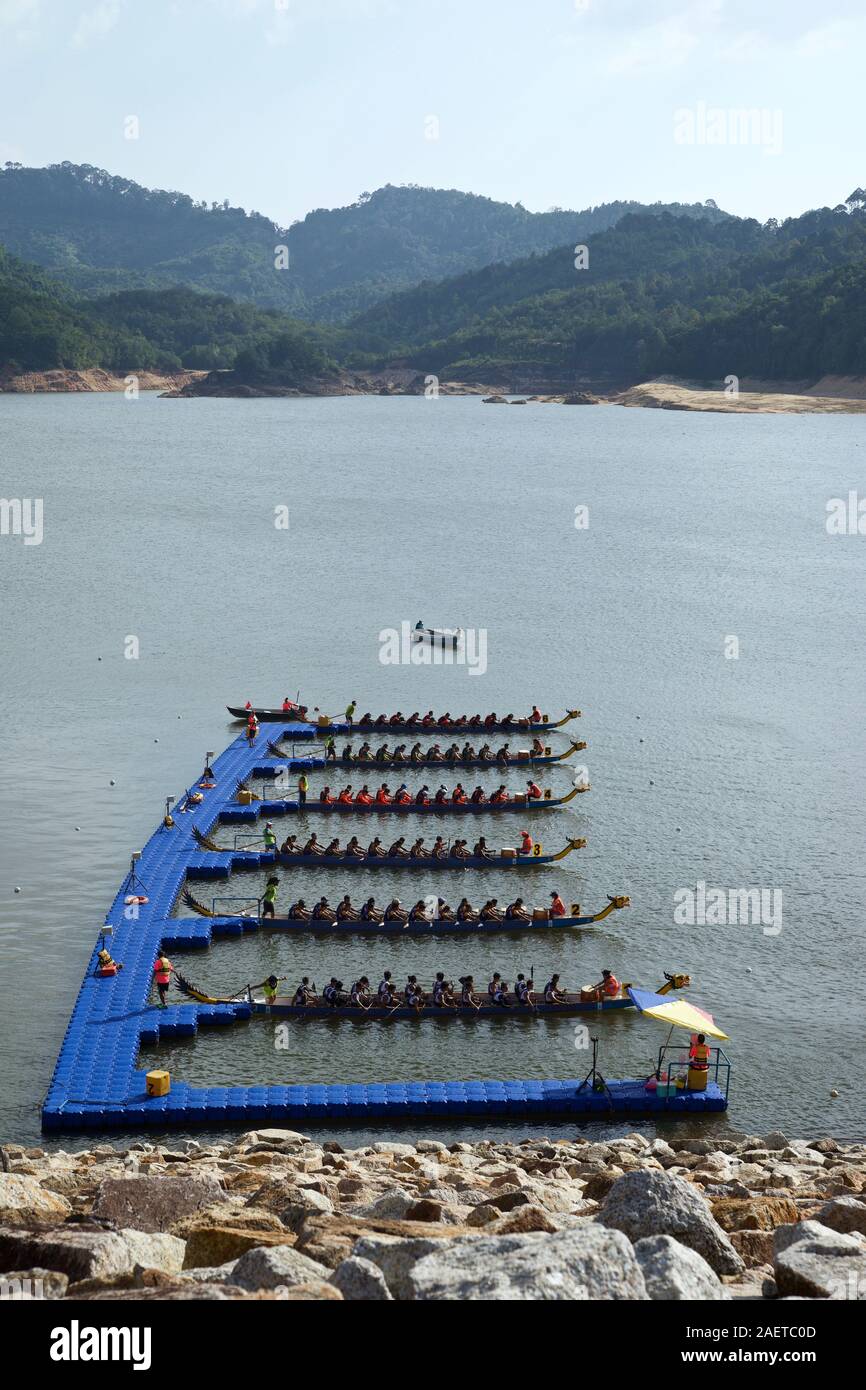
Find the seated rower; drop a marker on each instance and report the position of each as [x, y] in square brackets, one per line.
[500, 995]
[523, 992]
[391, 999]
[440, 849]
[364, 753]
[481, 851]
[478, 797]
[504, 755]
[460, 722]
[385, 986]
[465, 911]
[491, 912]
[370, 912]
[290, 845]
[486, 754]
[398, 757]
[416, 754]
[452, 753]
[475, 722]
[375, 849]
[507, 721]
[347, 755]
[490, 720]
[535, 716]
[333, 848]
[345, 797]
[459, 850]
[312, 846]
[359, 995]
[494, 984]
[444, 721]
[398, 850]
[422, 799]
[443, 995]
[434, 754]
[381, 721]
[458, 796]
[526, 842]
[332, 992]
[412, 719]
[552, 993]
[420, 912]
[441, 797]
[518, 912]
[414, 995]
[323, 912]
[608, 987]
[365, 720]
[383, 795]
[299, 912]
[345, 911]
[468, 997]
[444, 912]
[557, 906]
[533, 791]
[429, 720]
[325, 798]
[382, 754]
[500, 797]
[401, 796]
[364, 798]
[537, 749]
[397, 719]
[418, 851]
[467, 753]
[354, 850]
[303, 996]
[394, 912]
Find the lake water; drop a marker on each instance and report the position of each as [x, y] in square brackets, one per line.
[740, 772]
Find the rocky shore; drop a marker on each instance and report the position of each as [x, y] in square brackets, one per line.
[68, 380]
[277, 1216]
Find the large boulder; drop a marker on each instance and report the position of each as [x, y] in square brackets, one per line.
[89, 1253]
[845, 1214]
[154, 1203]
[215, 1244]
[811, 1261]
[584, 1264]
[660, 1204]
[396, 1256]
[275, 1267]
[24, 1202]
[360, 1280]
[673, 1272]
[754, 1213]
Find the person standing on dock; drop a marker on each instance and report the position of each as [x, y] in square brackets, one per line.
[269, 897]
[350, 713]
[330, 750]
[303, 788]
[162, 972]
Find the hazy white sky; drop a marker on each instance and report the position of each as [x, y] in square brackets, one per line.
[287, 105]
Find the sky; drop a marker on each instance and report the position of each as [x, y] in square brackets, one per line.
[283, 106]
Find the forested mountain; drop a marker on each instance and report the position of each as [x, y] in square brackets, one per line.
[100, 233]
[659, 295]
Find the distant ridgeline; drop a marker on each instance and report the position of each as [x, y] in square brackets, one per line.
[98, 271]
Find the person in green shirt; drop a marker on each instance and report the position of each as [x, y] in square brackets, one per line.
[303, 788]
[269, 897]
[330, 750]
[350, 712]
[270, 839]
[269, 988]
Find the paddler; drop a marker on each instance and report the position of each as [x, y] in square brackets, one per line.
[287, 705]
[608, 986]
[499, 797]
[557, 906]
[526, 843]
[269, 897]
[533, 791]
[383, 795]
[535, 716]
[162, 973]
[364, 798]
[537, 748]
[345, 797]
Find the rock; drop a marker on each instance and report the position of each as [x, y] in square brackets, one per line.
[154, 1203]
[578, 1265]
[154, 1250]
[395, 1205]
[754, 1213]
[825, 1146]
[580, 398]
[85, 1253]
[843, 1214]
[597, 1187]
[291, 1203]
[755, 1247]
[811, 1261]
[396, 1257]
[387, 1146]
[273, 1136]
[775, 1140]
[359, 1279]
[274, 1267]
[522, 1221]
[504, 1199]
[27, 1284]
[24, 1202]
[431, 1146]
[494, 400]
[654, 1203]
[673, 1272]
[316, 1291]
[215, 1245]
[210, 1274]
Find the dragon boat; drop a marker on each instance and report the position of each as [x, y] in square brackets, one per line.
[324, 726]
[524, 758]
[505, 859]
[436, 808]
[573, 1003]
[540, 920]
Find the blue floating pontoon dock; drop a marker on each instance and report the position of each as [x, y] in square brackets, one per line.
[98, 1084]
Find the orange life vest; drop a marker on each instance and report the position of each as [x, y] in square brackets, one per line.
[699, 1056]
[363, 799]
[526, 846]
[534, 791]
[611, 986]
[162, 970]
[557, 907]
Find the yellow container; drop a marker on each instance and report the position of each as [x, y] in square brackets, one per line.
[323, 721]
[697, 1079]
[158, 1083]
[245, 797]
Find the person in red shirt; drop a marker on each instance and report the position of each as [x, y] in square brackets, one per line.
[557, 906]
[499, 797]
[382, 796]
[458, 796]
[364, 798]
[345, 797]
[535, 715]
[525, 842]
[402, 797]
[533, 791]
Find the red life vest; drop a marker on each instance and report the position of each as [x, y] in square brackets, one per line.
[382, 798]
[611, 986]
[699, 1057]
[345, 798]
[526, 846]
[162, 970]
[557, 908]
[534, 791]
[363, 799]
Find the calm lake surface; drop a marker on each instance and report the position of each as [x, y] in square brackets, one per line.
[740, 773]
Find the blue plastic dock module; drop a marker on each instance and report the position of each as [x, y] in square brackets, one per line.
[97, 1083]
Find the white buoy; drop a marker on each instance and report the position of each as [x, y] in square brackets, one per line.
[834, 1095]
[17, 890]
[748, 970]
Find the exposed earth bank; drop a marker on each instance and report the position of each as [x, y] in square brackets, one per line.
[275, 1215]
[92, 379]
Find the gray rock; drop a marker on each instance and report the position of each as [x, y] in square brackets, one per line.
[154, 1250]
[276, 1266]
[359, 1279]
[83, 1252]
[811, 1261]
[845, 1214]
[396, 1257]
[24, 1202]
[775, 1140]
[387, 1146]
[154, 1203]
[211, 1274]
[673, 1272]
[659, 1204]
[390, 1206]
[583, 1264]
